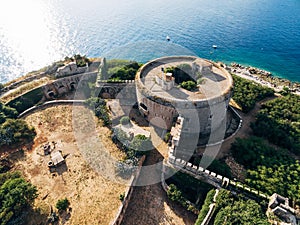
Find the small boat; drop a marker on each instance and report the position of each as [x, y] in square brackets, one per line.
[214, 46]
[168, 38]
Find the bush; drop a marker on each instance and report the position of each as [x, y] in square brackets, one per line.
[167, 137]
[175, 195]
[98, 105]
[269, 170]
[124, 120]
[122, 70]
[122, 197]
[62, 204]
[188, 85]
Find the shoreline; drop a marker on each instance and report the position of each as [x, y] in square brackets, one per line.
[262, 77]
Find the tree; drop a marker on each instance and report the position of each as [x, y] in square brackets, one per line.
[141, 144]
[16, 194]
[62, 204]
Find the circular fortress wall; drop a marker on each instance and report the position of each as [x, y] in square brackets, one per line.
[161, 100]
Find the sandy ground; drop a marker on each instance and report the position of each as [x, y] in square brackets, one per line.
[94, 198]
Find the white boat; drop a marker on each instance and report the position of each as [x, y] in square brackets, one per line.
[214, 46]
[168, 38]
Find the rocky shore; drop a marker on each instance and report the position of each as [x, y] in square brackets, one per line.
[263, 77]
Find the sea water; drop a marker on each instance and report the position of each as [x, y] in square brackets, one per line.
[261, 33]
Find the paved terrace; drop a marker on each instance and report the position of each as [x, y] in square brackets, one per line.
[215, 83]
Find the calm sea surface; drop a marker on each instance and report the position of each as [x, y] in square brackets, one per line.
[261, 33]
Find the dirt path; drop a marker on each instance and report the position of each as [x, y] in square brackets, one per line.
[245, 130]
[150, 204]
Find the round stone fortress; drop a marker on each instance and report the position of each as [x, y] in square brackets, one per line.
[161, 99]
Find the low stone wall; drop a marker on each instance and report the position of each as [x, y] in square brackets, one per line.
[214, 179]
[26, 80]
[122, 209]
[50, 103]
[211, 211]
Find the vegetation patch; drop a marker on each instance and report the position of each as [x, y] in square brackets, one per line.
[269, 170]
[62, 204]
[246, 93]
[205, 207]
[191, 188]
[236, 210]
[279, 122]
[98, 106]
[27, 100]
[12, 130]
[134, 148]
[81, 61]
[188, 85]
[184, 76]
[118, 70]
[16, 196]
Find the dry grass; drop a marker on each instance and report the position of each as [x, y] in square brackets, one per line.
[94, 198]
[8, 96]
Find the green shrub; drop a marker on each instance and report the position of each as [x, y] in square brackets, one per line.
[15, 132]
[167, 136]
[188, 85]
[98, 105]
[124, 120]
[122, 70]
[175, 195]
[62, 204]
[268, 169]
[122, 196]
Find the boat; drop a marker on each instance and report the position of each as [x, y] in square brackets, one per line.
[214, 46]
[168, 38]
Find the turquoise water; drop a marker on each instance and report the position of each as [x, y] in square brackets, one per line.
[261, 33]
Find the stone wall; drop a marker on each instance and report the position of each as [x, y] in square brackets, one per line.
[122, 210]
[214, 179]
[64, 85]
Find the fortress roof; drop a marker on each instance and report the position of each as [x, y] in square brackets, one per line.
[216, 80]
